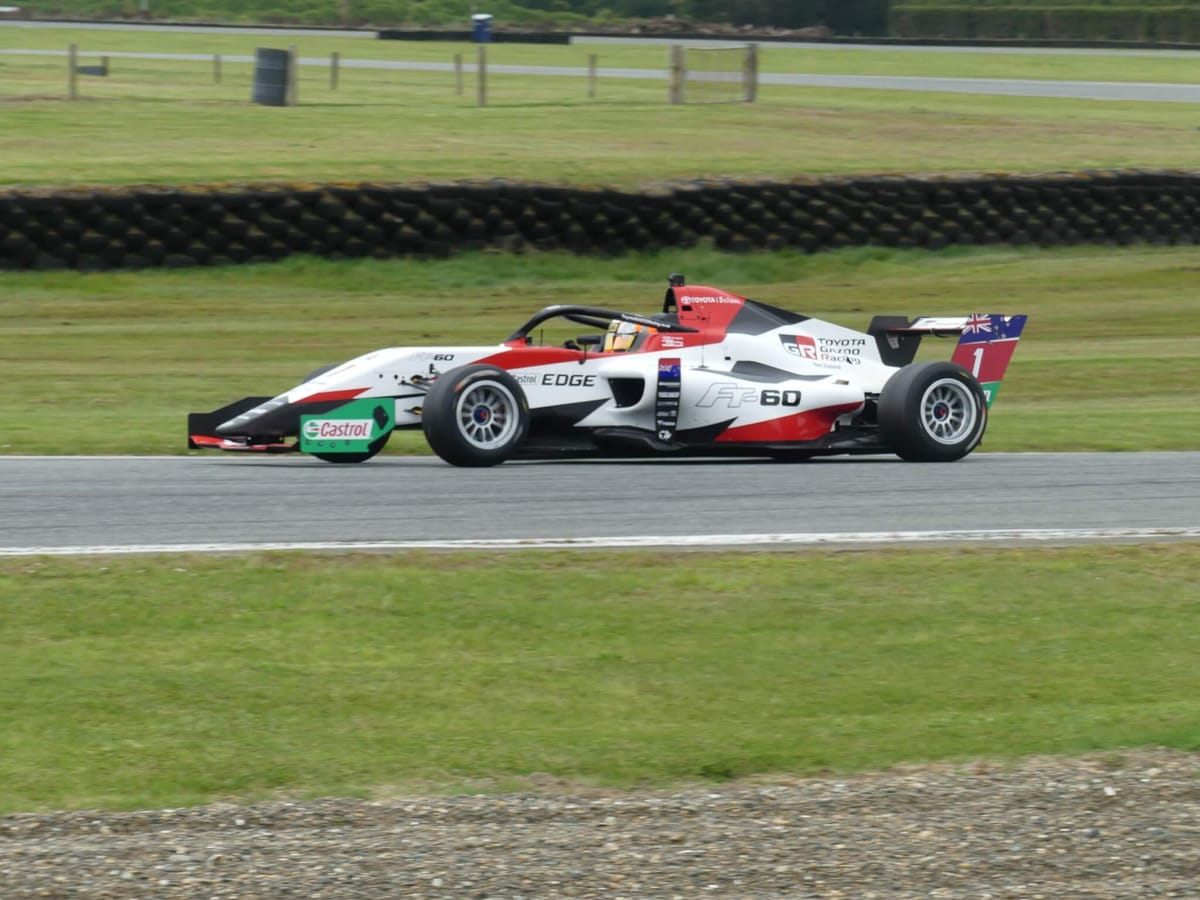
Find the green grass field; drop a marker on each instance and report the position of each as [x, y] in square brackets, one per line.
[164, 682]
[176, 680]
[167, 122]
[1069, 66]
[113, 362]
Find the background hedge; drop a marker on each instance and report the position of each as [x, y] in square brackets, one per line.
[843, 16]
[97, 230]
[1150, 20]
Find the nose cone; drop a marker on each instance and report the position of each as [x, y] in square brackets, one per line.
[256, 419]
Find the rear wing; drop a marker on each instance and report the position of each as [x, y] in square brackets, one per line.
[986, 342]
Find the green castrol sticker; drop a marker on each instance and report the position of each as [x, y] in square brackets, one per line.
[348, 429]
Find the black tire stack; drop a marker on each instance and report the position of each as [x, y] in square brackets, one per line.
[161, 227]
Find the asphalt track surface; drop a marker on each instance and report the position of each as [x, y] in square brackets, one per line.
[75, 504]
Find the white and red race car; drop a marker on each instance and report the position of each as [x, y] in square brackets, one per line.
[712, 374]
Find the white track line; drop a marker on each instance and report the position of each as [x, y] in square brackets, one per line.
[848, 538]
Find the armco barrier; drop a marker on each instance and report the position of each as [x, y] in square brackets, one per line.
[144, 227]
[460, 35]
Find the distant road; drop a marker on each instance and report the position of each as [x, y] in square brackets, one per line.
[1071, 90]
[903, 48]
[191, 29]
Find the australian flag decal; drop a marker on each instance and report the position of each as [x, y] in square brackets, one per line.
[666, 398]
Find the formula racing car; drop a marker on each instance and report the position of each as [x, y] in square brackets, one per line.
[713, 373]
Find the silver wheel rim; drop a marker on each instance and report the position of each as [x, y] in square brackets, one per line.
[487, 415]
[948, 411]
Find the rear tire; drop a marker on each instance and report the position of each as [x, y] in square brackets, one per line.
[932, 412]
[475, 416]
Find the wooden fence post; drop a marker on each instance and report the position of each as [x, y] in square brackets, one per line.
[290, 97]
[333, 70]
[481, 76]
[750, 74]
[72, 72]
[591, 76]
[678, 73]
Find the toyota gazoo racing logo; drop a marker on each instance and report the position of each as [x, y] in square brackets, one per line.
[705, 298]
[338, 429]
[827, 352]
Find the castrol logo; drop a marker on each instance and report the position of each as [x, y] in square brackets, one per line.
[331, 429]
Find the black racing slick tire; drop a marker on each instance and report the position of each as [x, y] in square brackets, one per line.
[932, 412]
[372, 449]
[475, 416]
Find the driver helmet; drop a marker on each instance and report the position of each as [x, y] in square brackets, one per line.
[622, 336]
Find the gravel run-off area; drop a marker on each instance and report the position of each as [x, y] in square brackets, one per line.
[1114, 825]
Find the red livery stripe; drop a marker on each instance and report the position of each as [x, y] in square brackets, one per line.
[521, 357]
[216, 443]
[802, 426]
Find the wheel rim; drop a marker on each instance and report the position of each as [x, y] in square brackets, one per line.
[948, 411]
[487, 415]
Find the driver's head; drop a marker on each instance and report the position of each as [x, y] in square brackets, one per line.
[622, 336]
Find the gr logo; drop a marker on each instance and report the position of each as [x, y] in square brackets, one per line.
[727, 394]
[799, 345]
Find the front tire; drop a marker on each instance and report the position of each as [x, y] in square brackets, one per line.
[346, 458]
[349, 458]
[475, 416]
[932, 412]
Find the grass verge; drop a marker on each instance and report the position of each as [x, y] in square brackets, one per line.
[167, 122]
[113, 362]
[152, 682]
[1046, 64]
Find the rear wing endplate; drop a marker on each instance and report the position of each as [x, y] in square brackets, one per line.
[898, 338]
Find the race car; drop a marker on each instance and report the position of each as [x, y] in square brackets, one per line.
[712, 373]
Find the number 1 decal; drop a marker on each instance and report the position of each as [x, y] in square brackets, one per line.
[977, 364]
